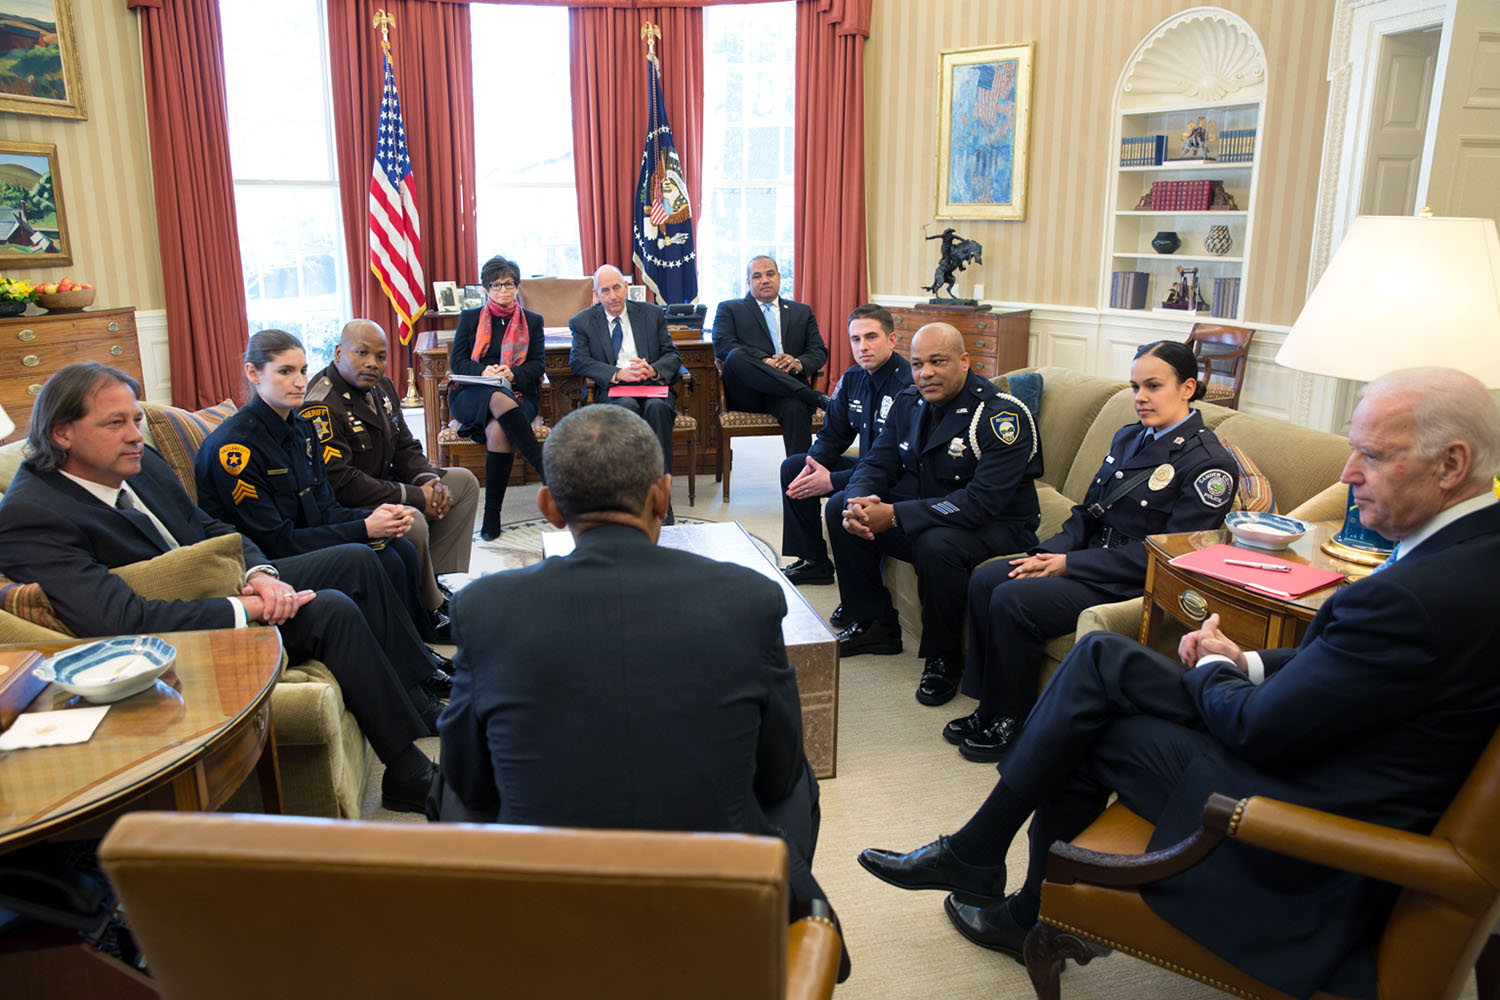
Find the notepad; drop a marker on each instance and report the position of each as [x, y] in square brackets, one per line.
[1299, 580]
[647, 391]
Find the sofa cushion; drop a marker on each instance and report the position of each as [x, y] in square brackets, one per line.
[11, 457]
[13, 629]
[1299, 462]
[1116, 411]
[178, 434]
[1254, 493]
[1070, 402]
[26, 602]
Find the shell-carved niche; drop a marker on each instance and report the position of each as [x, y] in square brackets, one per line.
[1204, 54]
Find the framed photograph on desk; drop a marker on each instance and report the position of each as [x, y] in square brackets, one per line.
[445, 294]
[473, 297]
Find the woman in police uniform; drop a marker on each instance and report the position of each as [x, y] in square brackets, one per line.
[498, 339]
[262, 471]
[1165, 473]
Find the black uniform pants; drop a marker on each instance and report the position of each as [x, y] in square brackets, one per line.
[801, 528]
[659, 413]
[1010, 622]
[358, 628]
[944, 558]
[403, 568]
[751, 384]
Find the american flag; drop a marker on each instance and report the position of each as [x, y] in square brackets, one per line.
[395, 230]
[664, 255]
[987, 96]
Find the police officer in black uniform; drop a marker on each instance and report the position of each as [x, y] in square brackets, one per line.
[865, 395]
[948, 484]
[1166, 473]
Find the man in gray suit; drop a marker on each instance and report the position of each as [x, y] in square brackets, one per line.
[622, 344]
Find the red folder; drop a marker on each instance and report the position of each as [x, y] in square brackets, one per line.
[648, 391]
[1301, 578]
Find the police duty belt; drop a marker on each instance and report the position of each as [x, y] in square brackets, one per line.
[1096, 510]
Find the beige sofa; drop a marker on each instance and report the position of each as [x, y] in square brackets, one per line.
[1078, 419]
[323, 754]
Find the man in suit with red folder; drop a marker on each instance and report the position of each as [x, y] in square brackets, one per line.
[1379, 715]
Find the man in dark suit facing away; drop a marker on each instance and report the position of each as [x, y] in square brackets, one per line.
[771, 351]
[577, 703]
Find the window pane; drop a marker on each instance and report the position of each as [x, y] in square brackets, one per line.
[526, 196]
[750, 79]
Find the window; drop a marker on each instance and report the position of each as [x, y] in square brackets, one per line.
[749, 127]
[526, 196]
[286, 189]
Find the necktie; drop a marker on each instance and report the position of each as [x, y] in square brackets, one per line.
[1389, 560]
[773, 323]
[1140, 442]
[616, 337]
[142, 520]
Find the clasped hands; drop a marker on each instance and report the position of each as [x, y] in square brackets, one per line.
[813, 481]
[636, 370]
[784, 362]
[267, 599]
[436, 499]
[1209, 641]
[866, 517]
[503, 371]
[389, 520]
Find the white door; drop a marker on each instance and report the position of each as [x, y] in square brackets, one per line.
[1398, 122]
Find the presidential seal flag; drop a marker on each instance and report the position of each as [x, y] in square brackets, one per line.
[395, 231]
[664, 255]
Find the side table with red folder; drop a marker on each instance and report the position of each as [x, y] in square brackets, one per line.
[1188, 579]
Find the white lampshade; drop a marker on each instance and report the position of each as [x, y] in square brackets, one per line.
[1400, 293]
[6, 424]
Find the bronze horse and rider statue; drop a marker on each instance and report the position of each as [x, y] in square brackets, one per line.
[957, 254]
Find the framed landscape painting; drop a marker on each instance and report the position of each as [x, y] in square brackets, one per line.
[33, 228]
[39, 69]
[984, 132]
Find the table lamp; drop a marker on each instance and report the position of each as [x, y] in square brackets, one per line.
[6, 424]
[1400, 292]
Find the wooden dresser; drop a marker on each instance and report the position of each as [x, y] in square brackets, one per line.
[33, 347]
[998, 342]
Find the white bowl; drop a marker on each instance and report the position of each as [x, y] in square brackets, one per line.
[1265, 531]
[111, 669]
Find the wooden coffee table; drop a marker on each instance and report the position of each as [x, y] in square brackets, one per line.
[811, 648]
[185, 744]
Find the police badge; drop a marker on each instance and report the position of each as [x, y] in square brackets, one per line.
[956, 448]
[1005, 426]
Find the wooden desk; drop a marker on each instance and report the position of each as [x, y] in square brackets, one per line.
[1250, 619]
[187, 743]
[700, 399]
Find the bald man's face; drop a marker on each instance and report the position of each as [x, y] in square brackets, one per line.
[610, 287]
[939, 364]
[360, 356]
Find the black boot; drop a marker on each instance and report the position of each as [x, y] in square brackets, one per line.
[496, 475]
[513, 422]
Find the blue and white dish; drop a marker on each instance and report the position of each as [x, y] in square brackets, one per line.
[1265, 531]
[110, 669]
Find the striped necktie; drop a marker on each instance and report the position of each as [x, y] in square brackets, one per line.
[773, 323]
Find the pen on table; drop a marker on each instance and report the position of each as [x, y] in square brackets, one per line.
[1273, 567]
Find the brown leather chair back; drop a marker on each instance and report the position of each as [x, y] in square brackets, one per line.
[1223, 353]
[258, 906]
[556, 299]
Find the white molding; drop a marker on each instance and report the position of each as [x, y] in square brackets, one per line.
[156, 359]
[1217, 58]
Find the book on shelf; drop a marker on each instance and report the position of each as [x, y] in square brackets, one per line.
[1237, 145]
[1142, 150]
[1226, 301]
[1182, 196]
[1127, 289]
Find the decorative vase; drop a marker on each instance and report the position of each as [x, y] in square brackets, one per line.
[12, 307]
[1218, 241]
[1166, 241]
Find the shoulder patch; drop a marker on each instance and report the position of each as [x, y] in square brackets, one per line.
[1005, 424]
[243, 491]
[233, 458]
[1214, 487]
[321, 419]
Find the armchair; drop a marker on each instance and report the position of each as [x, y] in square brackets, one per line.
[743, 423]
[1442, 918]
[525, 911]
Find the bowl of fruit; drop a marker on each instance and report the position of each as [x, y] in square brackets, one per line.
[66, 295]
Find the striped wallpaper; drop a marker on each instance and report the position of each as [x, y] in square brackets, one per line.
[1056, 256]
[104, 165]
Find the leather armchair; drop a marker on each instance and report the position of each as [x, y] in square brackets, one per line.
[1442, 918]
[223, 904]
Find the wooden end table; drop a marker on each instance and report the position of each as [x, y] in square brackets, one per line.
[1252, 620]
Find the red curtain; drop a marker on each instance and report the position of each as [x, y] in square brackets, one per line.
[187, 112]
[608, 61]
[432, 54]
[832, 267]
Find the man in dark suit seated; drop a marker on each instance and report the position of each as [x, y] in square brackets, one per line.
[577, 703]
[91, 496]
[1379, 714]
[772, 351]
[619, 343]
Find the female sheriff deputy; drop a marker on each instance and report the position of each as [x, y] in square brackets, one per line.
[1167, 473]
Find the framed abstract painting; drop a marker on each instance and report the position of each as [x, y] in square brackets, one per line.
[984, 132]
[39, 69]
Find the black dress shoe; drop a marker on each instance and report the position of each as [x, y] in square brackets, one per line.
[439, 684]
[824, 401]
[406, 794]
[992, 742]
[881, 636]
[671, 517]
[939, 681]
[987, 923]
[958, 730]
[442, 627]
[810, 572]
[934, 866]
[839, 620]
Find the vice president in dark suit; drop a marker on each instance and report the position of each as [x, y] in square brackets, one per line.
[91, 497]
[582, 700]
[1378, 715]
[619, 343]
[772, 351]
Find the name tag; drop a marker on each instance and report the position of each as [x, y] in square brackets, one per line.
[277, 472]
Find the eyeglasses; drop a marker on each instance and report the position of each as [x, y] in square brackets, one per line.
[503, 286]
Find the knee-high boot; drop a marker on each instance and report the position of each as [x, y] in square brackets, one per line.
[496, 476]
[516, 427]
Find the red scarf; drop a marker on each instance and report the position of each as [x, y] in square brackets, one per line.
[517, 334]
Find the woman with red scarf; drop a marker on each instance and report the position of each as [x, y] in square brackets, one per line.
[498, 339]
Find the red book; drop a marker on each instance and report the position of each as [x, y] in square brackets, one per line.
[647, 391]
[1297, 579]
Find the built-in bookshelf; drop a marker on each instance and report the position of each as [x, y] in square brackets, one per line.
[1204, 63]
